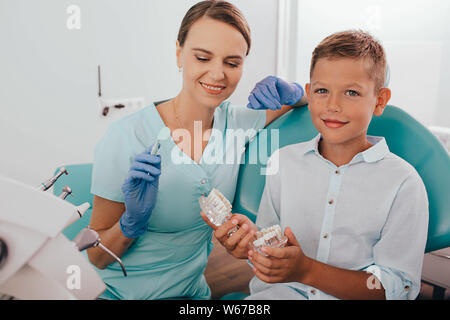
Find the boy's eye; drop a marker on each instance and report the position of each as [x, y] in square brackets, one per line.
[352, 93]
[321, 91]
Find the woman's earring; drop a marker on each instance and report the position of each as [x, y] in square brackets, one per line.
[180, 69]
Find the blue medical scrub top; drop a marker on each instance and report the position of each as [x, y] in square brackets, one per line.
[169, 260]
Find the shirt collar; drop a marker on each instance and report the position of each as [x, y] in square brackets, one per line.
[375, 153]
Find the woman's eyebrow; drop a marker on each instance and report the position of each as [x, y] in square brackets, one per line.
[210, 53]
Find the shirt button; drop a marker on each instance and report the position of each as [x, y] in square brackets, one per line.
[337, 172]
[331, 201]
[407, 288]
[203, 181]
[325, 236]
[313, 291]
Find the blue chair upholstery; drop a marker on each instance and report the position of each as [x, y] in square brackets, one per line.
[406, 138]
[79, 180]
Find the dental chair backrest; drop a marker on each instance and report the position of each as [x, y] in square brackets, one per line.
[406, 138]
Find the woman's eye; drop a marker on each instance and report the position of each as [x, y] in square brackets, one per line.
[233, 65]
[202, 59]
[352, 93]
[321, 91]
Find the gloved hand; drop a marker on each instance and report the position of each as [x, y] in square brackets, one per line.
[140, 189]
[272, 93]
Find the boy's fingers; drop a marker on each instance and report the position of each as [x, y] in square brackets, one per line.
[268, 262]
[292, 240]
[279, 253]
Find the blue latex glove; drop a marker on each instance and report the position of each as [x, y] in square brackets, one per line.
[140, 189]
[272, 93]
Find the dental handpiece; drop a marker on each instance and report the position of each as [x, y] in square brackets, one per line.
[89, 238]
[49, 183]
[66, 191]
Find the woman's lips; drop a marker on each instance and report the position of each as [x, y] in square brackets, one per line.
[334, 124]
[211, 88]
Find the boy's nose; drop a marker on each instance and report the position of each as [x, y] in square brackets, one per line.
[333, 104]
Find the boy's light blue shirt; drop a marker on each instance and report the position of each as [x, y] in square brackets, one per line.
[168, 261]
[370, 214]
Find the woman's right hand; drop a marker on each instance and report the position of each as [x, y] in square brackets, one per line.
[238, 243]
[140, 190]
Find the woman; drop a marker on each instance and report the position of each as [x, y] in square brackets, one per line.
[165, 244]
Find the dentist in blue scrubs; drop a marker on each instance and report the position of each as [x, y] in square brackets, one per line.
[145, 206]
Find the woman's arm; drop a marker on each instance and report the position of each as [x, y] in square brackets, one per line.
[272, 115]
[105, 220]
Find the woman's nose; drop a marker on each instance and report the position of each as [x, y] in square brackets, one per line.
[217, 72]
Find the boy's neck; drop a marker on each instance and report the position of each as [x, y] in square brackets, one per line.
[342, 153]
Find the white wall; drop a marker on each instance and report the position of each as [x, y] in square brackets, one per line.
[415, 34]
[48, 73]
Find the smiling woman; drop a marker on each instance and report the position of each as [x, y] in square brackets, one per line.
[146, 206]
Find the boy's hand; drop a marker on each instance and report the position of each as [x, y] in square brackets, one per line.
[286, 264]
[237, 243]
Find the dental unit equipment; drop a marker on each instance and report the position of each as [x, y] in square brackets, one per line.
[49, 183]
[89, 238]
[37, 261]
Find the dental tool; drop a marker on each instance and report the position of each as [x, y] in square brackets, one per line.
[49, 183]
[79, 213]
[89, 238]
[65, 192]
[163, 134]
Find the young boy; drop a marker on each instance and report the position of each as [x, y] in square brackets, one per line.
[355, 214]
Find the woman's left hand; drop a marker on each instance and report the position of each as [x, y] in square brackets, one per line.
[287, 264]
[272, 93]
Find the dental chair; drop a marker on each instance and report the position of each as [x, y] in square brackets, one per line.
[405, 136]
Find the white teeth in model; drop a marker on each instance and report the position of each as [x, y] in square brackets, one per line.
[270, 237]
[212, 88]
[216, 207]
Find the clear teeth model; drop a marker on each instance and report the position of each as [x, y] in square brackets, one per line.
[216, 207]
[270, 237]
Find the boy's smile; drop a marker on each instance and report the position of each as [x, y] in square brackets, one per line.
[342, 101]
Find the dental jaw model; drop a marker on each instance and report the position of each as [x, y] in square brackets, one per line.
[217, 208]
[269, 237]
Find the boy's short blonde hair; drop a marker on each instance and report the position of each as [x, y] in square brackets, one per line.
[354, 44]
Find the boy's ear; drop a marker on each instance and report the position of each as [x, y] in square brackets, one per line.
[384, 95]
[307, 88]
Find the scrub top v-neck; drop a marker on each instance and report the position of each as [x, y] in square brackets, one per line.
[169, 260]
